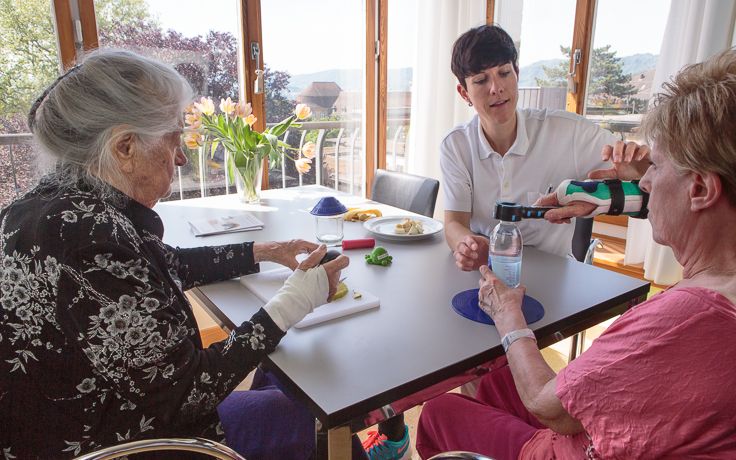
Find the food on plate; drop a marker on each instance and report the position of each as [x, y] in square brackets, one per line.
[361, 215]
[342, 291]
[357, 295]
[409, 227]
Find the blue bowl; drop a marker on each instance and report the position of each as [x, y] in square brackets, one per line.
[328, 206]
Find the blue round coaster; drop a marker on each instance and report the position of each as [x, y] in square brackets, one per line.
[465, 303]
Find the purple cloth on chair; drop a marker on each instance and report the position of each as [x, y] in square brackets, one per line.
[265, 423]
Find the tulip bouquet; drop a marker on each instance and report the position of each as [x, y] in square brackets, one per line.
[232, 128]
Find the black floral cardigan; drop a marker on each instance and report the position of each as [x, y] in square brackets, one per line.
[98, 343]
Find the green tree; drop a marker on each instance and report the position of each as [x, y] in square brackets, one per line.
[28, 55]
[278, 105]
[607, 77]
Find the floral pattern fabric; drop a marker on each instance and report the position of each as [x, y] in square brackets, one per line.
[98, 344]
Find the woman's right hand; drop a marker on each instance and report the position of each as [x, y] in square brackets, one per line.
[332, 268]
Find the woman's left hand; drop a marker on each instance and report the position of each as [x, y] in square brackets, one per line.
[500, 302]
[282, 252]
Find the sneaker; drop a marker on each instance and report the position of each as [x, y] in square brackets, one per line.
[378, 447]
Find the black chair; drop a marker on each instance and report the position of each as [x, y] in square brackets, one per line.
[583, 249]
[406, 191]
[583, 244]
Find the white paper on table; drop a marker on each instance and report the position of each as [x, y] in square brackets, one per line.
[264, 285]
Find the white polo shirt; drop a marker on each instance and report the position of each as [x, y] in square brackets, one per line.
[550, 146]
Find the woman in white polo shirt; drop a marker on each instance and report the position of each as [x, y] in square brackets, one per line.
[505, 153]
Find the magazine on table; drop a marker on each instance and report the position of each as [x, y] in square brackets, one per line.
[225, 224]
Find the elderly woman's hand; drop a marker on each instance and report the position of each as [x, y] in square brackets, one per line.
[282, 252]
[307, 288]
[332, 268]
[500, 302]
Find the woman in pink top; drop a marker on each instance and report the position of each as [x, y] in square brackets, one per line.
[659, 383]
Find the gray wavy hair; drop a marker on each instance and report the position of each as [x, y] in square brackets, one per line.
[114, 93]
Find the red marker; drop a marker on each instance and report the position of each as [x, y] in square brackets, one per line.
[357, 244]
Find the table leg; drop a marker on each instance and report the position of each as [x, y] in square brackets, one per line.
[334, 444]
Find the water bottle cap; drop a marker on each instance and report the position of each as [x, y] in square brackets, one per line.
[507, 211]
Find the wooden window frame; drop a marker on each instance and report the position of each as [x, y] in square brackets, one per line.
[376, 62]
[65, 16]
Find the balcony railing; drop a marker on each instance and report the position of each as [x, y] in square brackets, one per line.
[339, 161]
[19, 169]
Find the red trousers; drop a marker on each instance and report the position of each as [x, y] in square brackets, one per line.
[495, 423]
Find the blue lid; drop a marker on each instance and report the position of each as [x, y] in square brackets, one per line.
[328, 206]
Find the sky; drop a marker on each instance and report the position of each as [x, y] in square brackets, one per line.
[308, 36]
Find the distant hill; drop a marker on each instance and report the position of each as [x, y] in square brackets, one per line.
[636, 63]
[400, 79]
[350, 79]
[529, 74]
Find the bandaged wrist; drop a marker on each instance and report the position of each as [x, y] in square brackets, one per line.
[302, 292]
[611, 197]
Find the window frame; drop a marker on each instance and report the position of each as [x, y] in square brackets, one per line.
[67, 13]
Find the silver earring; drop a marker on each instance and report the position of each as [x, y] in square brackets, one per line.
[470, 104]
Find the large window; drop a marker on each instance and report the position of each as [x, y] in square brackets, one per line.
[622, 65]
[546, 38]
[313, 54]
[202, 43]
[401, 46]
[28, 63]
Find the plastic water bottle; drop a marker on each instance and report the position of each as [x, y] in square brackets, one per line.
[506, 245]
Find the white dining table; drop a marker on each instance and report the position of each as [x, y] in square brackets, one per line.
[354, 371]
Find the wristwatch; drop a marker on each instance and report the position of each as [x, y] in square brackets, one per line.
[513, 336]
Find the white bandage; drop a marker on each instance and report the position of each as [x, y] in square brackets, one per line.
[302, 292]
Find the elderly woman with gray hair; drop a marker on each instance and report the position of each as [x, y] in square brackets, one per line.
[98, 343]
[659, 382]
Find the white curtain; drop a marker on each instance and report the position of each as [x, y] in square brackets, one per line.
[696, 30]
[435, 105]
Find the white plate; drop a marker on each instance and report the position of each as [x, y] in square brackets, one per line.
[383, 227]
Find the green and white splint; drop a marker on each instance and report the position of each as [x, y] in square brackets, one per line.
[612, 197]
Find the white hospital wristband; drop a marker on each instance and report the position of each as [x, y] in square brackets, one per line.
[513, 336]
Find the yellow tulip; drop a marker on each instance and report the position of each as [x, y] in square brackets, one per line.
[205, 105]
[227, 106]
[193, 140]
[243, 110]
[251, 120]
[303, 165]
[308, 150]
[302, 111]
[191, 109]
[193, 120]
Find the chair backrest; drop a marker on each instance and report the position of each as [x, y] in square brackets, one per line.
[406, 191]
[581, 238]
[198, 445]
[459, 455]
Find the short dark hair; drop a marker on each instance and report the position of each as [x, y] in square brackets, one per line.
[480, 48]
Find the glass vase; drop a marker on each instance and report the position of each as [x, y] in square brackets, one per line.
[248, 180]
